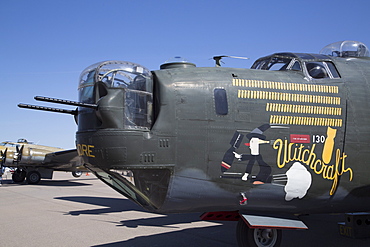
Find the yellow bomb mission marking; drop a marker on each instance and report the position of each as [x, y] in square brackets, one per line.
[85, 150]
[288, 152]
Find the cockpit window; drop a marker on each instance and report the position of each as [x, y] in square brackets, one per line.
[316, 70]
[296, 66]
[277, 63]
[261, 64]
[321, 70]
[332, 69]
[315, 66]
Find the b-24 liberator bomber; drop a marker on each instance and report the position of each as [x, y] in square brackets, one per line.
[261, 146]
[33, 162]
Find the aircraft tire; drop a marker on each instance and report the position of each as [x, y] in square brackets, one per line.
[248, 237]
[33, 177]
[18, 176]
[76, 174]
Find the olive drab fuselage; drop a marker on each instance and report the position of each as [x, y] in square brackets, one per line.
[205, 139]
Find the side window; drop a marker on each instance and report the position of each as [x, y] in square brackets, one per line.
[221, 104]
[296, 66]
[320, 70]
[333, 70]
[317, 70]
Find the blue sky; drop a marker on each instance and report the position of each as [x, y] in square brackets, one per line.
[44, 45]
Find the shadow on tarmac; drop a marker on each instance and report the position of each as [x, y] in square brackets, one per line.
[112, 205]
[212, 236]
[117, 205]
[323, 229]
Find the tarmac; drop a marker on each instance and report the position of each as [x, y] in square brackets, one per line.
[68, 211]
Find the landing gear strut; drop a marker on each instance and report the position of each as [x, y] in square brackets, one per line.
[257, 237]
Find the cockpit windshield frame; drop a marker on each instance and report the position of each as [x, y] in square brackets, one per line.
[277, 62]
[313, 66]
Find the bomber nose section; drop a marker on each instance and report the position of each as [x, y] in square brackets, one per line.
[111, 134]
[123, 93]
[112, 137]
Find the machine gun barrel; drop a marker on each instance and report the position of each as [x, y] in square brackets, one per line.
[65, 102]
[43, 108]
